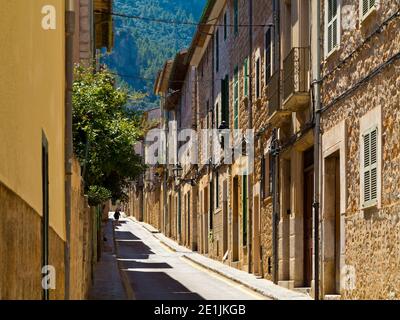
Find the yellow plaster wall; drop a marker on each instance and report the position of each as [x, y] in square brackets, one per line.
[32, 83]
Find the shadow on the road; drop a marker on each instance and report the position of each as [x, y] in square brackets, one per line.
[130, 246]
[125, 235]
[159, 286]
[145, 265]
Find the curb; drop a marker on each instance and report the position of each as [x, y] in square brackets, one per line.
[226, 276]
[245, 284]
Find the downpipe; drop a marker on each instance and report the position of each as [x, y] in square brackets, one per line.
[69, 65]
[317, 141]
[275, 158]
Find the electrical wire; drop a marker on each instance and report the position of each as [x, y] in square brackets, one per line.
[175, 22]
[368, 77]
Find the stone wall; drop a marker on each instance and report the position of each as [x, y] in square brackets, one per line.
[82, 245]
[21, 251]
[372, 237]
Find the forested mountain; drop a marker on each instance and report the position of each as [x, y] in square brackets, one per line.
[141, 45]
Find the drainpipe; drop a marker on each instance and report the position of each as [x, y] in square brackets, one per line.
[317, 133]
[250, 126]
[69, 65]
[275, 155]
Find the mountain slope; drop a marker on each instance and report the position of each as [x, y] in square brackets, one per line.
[142, 46]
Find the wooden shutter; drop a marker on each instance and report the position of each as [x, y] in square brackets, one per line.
[246, 77]
[236, 99]
[225, 99]
[268, 55]
[332, 28]
[370, 166]
[258, 78]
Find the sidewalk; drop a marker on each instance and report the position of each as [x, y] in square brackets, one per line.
[107, 280]
[262, 286]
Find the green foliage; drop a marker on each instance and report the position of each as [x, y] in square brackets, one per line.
[104, 133]
[142, 46]
[98, 195]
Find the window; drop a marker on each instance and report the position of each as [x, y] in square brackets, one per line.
[370, 167]
[268, 55]
[366, 7]
[258, 78]
[217, 50]
[225, 26]
[236, 17]
[332, 30]
[266, 175]
[246, 77]
[225, 100]
[217, 115]
[236, 99]
[244, 206]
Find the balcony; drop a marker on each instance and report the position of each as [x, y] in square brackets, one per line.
[296, 66]
[276, 114]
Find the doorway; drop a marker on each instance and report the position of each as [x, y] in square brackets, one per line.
[332, 224]
[205, 215]
[225, 217]
[256, 237]
[308, 214]
[235, 220]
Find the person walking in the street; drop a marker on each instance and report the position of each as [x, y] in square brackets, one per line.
[117, 214]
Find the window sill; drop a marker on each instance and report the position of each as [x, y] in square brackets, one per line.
[365, 19]
[370, 206]
[332, 52]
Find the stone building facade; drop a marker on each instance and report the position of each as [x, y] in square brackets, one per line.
[360, 138]
[267, 78]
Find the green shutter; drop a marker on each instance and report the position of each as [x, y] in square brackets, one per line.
[236, 99]
[246, 76]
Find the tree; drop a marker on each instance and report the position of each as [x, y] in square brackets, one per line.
[105, 132]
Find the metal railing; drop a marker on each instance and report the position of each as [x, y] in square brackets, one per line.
[295, 72]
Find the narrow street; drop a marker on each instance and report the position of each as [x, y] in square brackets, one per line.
[154, 272]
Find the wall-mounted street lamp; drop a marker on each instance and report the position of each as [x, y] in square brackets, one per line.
[223, 126]
[178, 175]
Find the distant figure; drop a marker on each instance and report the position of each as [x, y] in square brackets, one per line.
[117, 214]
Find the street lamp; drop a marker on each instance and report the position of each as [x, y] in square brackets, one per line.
[223, 126]
[178, 175]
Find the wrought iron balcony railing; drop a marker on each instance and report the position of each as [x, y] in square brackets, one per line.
[296, 85]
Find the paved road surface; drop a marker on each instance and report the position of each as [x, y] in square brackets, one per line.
[155, 272]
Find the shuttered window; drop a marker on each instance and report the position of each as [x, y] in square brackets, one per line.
[268, 55]
[236, 16]
[332, 25]
[370, 167]
[367, 6]
[217, 50]
[246, 77]
[258, 78]
[236, 99]
[225, 100]
[225, 26]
